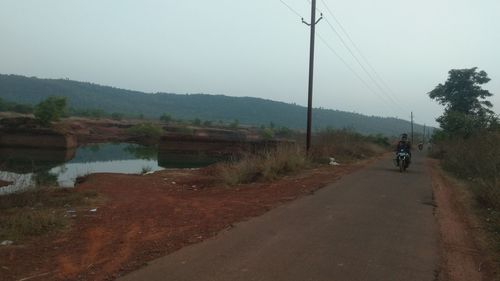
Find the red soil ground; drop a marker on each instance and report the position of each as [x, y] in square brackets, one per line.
[462, 241]
[144, 217]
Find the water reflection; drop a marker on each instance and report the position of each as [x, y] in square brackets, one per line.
[28, 168]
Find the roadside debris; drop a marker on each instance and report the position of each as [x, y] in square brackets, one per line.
[93, 210]
[6, 243]
[333, 162]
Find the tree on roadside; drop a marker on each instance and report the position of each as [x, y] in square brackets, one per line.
[165, 117]
[466, 107]
[51, 109]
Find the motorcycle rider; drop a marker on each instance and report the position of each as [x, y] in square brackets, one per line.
[404, 144]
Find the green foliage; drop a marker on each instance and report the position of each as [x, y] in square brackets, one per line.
[45, 179]
[50, 109]
[142, 152]
[235, 124]
[283, 132]
[196, 122]
[466, 110]
[165, 117]
[249, 111]
[117, 116]
[147, 130]
[15, 107]
[207, 123]
[91, 113]
[267, 133]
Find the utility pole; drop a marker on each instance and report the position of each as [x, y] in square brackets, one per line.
[412, 126]
[312, 24]
[423, 141]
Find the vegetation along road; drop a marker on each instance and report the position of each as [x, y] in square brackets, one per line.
[374, 224]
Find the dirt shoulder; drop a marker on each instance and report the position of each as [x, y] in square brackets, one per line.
[146, 217]
[462, 239]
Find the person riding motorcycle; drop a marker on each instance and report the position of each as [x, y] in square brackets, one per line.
[405, 145]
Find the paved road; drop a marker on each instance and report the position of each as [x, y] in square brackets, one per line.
[375, 224]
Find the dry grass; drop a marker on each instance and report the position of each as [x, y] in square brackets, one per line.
[346, 146]
[477, 160]
[38, 212]
[265, 166]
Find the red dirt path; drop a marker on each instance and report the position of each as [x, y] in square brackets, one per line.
[145, 217]
[463, 250]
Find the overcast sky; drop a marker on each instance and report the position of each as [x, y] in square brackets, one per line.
[257, 48]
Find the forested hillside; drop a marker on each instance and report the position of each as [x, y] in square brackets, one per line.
[247, 110]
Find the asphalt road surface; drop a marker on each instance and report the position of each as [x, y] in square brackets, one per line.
[375, 224]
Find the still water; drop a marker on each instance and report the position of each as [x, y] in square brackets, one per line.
[27, 168]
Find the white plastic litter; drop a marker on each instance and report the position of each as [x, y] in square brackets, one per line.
[333, 162]
[7, 243]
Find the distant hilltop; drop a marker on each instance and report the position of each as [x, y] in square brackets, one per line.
[247, 110]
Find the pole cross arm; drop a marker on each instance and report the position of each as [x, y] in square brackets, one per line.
[308, 24]
[320, 18]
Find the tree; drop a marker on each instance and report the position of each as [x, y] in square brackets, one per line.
[165, 117]
[196, 122]
[466, 109]
[50, 109]
[117, 116]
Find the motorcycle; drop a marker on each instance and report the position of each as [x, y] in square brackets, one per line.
[402, 160]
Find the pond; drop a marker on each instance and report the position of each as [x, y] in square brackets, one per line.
[27, 168]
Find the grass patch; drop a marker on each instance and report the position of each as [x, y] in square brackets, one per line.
[38, 212]
[265, 166]
[477, 161]
[346, 146]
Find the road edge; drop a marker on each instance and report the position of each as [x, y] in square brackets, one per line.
[462, 241]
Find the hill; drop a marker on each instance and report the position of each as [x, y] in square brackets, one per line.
[248, 110]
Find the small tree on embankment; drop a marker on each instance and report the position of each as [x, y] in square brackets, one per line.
[50, 110]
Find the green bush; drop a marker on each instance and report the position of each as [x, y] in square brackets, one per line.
[50, 109]
[117, 116]
[147, 130]
[165, 117]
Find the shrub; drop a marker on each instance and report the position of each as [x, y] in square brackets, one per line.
[117, 116]
[50, 109]
[345, 145]
[266, 166]
[476, 159]
[38, 211]
[147, 130]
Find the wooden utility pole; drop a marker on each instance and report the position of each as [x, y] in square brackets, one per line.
[423, 139]
[412, 127]
[312, 24]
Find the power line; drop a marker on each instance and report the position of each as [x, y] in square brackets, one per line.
[352, 70]
[359, 63]
[357, 49]
[291, 9]
[340, 58]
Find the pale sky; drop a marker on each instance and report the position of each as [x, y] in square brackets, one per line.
[257, 48]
